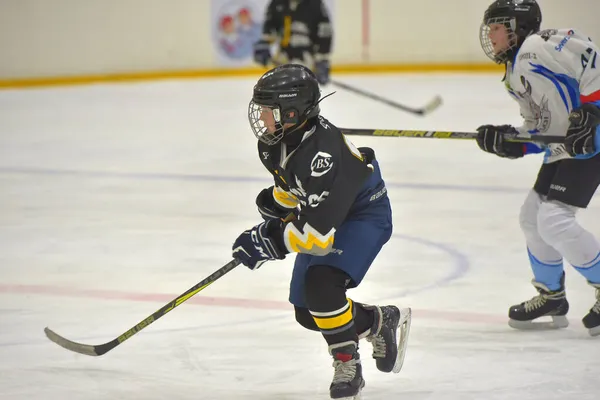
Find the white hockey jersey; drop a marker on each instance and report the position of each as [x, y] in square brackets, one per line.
[554, 71]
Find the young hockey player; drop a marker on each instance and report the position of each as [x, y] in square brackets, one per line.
[343, 218]
[554, 75]
[302, 30]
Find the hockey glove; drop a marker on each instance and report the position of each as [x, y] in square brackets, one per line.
[267, 207]
[262, 52]
[254, 247]
[582, 135]
[322, 69]
[490, 139]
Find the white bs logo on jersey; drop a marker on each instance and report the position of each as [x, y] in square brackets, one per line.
[321, 164]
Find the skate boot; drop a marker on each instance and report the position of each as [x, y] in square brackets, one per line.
[389, 336]
[347, 377]
[547, 304]
[592, 320]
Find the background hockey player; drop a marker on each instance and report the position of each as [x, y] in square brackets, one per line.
[554, 75]
[302, 31]
[340, 199]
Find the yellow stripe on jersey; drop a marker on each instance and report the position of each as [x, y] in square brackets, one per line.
[284, 199]
[310, 241]
[355, 152]
[279, 176]
[287, 31]
[336, 319]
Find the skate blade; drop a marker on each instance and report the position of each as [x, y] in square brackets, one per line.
[594, 331]
[402, 337]
[357, 397]
[557, 322]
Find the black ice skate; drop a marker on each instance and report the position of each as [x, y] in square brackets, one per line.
[592, 320]
[547, 304]
[347, 377]
[389, 336]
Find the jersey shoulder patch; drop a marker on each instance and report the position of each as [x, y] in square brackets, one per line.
[547, 33]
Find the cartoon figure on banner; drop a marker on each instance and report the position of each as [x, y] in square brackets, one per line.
[237, 30]
[248, 28]
[228, 40]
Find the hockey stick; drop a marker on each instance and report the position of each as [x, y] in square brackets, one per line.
[429, 107]
[98, 350]
[448, 135]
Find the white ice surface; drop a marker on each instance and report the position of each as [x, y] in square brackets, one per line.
[115, 199]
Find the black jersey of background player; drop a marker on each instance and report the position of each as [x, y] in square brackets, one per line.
[300, 27]
[327, 177]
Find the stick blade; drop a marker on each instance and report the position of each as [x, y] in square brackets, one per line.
[432, 105]
[80, 348]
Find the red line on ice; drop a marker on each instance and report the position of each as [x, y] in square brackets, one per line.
[62, 291]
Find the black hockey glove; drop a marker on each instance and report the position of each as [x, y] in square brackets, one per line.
[255, 246]
[491, 139]
[582, 135]
[322, 70]
[267, 207]
[262, 52]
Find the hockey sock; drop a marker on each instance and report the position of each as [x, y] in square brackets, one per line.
[547, 272]
[333, 313]
[546, 262]
[363, 318]
[558, 227]
[305, 318]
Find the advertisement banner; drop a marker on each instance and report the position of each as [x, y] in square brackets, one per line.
[236, 25]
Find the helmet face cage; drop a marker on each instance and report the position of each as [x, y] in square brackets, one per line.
[486, 43]
[259, 127]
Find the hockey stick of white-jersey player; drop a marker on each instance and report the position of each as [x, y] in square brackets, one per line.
[543, 139]
[426, 109]
[98, 350]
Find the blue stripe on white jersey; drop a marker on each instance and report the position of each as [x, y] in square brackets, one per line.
[560, 80]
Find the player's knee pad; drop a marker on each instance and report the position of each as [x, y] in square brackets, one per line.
[556, 222]
[305, 318]
[325, 287]
[528, 215]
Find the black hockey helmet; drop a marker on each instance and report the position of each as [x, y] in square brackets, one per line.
[292, 92]
[521, 19]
